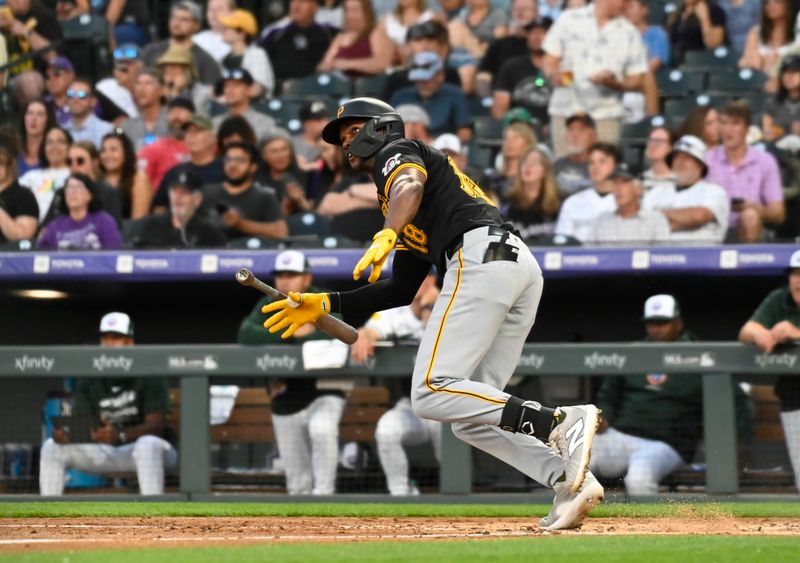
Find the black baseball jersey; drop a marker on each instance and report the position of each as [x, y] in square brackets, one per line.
[452, 203]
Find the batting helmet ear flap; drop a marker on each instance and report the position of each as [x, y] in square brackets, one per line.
[377, 132]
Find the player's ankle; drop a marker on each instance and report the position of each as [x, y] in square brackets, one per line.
[527, 417]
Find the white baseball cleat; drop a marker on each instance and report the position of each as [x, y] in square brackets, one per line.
[572, 439]
[569, 509]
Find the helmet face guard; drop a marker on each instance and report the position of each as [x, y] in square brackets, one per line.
[376, 133]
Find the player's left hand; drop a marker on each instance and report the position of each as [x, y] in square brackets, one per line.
[295, 311]
[382, 244]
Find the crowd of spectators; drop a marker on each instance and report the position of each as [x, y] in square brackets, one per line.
[558, 109]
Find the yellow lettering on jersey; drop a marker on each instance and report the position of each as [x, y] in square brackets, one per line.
[468, 185]
[415, 238]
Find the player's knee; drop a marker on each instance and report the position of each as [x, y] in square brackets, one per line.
[147, 447]
[50, 450]
[387, 431]
[423, 405]
[322, 430]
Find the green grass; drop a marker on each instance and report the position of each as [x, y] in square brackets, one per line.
[633, 549]
[608, 510]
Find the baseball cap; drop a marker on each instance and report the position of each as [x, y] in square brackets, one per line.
[292, 261]
[200, 121]
[517, 114]
[794, 261]
[623, 171]
[188, 179]
[315, 109]
[584, 118]
[116, 323]
[241, 20]
[62, 63]
[176, 55]
[239, 74]
[430, 29]
[412, 113]
[790, 62]
[447, 142]
[181, 102]
[691, 145]
[543, 23]
[192, 7]
[661, 307]
[424, 66]
[127, 52]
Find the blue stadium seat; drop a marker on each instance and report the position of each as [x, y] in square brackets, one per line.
[322, 84]
[711, 59]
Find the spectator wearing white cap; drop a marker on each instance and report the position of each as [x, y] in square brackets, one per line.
[184, 21]
[652, 422]
[125, 420]
[445, 103]
[697, 210]
[305, 418]
[416, 122]
[774, 323]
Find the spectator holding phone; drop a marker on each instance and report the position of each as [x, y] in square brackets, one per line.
[749, 175]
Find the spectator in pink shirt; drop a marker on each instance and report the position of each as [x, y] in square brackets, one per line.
[158, 157]
[750, 177]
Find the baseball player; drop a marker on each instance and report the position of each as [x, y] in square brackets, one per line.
[399, 426]
[435, 214]
[305, 419]
[131, 431]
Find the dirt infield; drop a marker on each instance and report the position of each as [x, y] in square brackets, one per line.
[28, 534]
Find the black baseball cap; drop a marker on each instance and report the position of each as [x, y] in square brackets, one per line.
[188, 179]
[623, 171]
[542, 23]
[181, 102]
[584, 118]
[790, 62]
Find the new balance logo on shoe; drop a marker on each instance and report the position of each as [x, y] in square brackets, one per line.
[575, 436]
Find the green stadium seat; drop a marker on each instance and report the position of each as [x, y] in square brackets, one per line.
[488, 130]
[373, 86]
[677, 83]
[321, 84]
[711, 59]
[734, 83]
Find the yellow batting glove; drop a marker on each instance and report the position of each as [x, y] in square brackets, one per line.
[382, 244]
[295, 311]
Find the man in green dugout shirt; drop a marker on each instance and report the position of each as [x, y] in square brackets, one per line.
[775, 322]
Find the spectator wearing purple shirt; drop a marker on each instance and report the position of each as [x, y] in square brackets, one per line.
[750, 177]
[83, 225]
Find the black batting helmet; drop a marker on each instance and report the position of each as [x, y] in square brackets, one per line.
[383, 124]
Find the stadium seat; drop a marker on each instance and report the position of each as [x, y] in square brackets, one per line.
[85, 43]
[710, 59]
[736, 83]
[488, 131]
[357, 225]
[285, 112]
[677, 83]
[641, 129]
[307, 223]
[676, 109]
[480, 156]
[480, 107]
[373, 86]
[321, 84]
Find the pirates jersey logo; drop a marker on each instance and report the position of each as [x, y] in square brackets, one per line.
[390, 165]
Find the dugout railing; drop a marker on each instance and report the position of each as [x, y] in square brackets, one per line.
[719, 362]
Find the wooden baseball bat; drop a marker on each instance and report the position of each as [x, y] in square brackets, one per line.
[328, 324]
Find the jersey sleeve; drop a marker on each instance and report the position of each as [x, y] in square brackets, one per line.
[393, 158]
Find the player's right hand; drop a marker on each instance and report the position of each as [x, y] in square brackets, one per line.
[295, 311]
[382, 244]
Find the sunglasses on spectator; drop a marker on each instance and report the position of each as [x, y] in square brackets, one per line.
[79, 161]
[77, 94]
[236, 74]
[125, 53]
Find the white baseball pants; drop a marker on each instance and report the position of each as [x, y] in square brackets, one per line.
[308, 442]
[149, 456]
[791, 430]
[471, 347]
[644, 462]
[400, 427]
